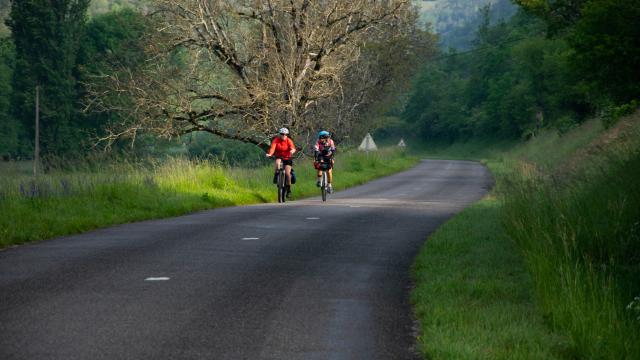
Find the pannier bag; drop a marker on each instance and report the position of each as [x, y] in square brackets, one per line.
[322, 166]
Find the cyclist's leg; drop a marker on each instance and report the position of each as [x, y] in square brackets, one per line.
[330, 176]
[275, 172]
[287, 170]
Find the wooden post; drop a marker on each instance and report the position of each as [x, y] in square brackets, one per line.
[36, 157]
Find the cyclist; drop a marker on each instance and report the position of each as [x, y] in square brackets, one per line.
[324, 150]
[282, 147]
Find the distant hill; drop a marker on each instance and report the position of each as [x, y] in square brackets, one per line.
[456, 21]
[103, 6]
[5, 7]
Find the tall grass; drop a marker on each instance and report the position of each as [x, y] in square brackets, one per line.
[570, 207]
[578, 227]
[473, 296]
[64, 202]
[581, 241]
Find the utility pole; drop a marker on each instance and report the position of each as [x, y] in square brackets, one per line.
[36, 157]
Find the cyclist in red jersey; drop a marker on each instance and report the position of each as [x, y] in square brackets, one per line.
[282, 147]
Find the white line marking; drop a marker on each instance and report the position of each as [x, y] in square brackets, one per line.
[313, 218]
[156, 279]
[245, 239]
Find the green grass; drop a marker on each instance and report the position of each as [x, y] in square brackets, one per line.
[580, 238]
[547, 267]
[63, 202]
[473, 296]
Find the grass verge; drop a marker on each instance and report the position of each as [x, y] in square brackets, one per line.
[63, 203]
[473, 296]
[548, 266]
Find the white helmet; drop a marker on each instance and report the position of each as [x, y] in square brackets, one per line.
[283, 131]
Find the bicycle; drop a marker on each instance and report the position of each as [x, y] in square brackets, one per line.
[281, 180]
[324, 166]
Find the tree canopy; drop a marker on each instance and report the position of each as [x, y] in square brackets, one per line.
[241, 69]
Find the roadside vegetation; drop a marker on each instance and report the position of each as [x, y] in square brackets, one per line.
[547, 266]
[66, 201]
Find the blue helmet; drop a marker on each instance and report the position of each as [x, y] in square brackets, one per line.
[323, 133]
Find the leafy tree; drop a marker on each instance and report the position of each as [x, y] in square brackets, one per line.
[47, 36]
[514, 81]
[112, 40]
[558, 14]
[606, 40]
[8, 126]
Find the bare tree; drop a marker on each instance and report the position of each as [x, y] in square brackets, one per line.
[240, 69]
[378, 82]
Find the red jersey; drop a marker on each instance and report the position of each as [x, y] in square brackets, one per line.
[281, 147]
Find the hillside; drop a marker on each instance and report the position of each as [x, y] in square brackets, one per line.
[456, 21]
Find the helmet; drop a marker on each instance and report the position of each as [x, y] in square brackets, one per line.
[284, 131]
[323, 134]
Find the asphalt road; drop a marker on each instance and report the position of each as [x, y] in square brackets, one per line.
[304, 280]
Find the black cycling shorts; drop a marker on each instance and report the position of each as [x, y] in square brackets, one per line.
[287, 162]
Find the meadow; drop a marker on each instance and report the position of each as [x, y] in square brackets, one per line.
[62, 202]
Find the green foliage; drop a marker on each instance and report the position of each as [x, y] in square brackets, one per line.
[606, 41]
[112, 40]
[230, 152]
[515, 82]
[518, 80]
[611, 114]
[47, 36]
[8, 126]
[571, 204]
[55, 47]
[558, 14]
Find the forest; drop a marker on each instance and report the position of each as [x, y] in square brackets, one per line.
[539, 69]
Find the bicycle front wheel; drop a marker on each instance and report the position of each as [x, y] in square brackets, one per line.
[282, 187]
[323, 188]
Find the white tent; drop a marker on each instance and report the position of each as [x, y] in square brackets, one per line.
[401, 143]
[368, 144]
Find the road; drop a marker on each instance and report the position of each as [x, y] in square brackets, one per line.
[304, 280]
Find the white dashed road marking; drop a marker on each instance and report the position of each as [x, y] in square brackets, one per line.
[313, 218]
[156, 279]
[246, 239]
